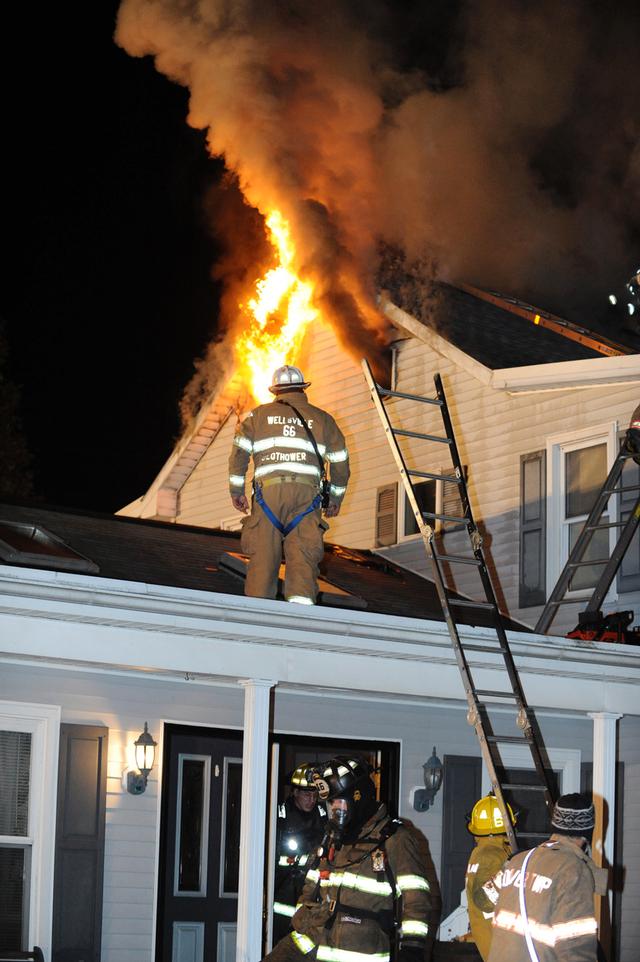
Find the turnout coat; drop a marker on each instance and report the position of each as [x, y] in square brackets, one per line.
[350, 906]
[485, 862]
[560, 882]
[275, 437]
[286, 516]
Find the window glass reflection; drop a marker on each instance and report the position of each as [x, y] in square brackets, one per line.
[231, 829]
[192, 825]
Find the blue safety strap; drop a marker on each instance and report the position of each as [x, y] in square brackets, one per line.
[275, 521]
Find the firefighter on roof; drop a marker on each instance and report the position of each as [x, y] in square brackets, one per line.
[492, 850]
[544, 907]
[301, 827]
[367, 890]
[290, 441]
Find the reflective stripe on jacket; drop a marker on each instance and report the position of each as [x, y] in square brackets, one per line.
[274, 436]
[348, 906]
[559, 887]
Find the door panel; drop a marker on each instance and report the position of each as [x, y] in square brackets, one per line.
[198, 886]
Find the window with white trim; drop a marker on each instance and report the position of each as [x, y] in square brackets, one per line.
[577, 466]
[29, 736]
[15, 839]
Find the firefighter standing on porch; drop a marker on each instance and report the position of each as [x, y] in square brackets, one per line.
[367, 890]
[290, 441]
[544, 906]
[301, 827]
[491, 851]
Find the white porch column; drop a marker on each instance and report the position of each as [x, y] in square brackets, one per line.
[252, 818]
[604, 795]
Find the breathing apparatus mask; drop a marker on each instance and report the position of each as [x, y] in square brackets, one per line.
[349, 794]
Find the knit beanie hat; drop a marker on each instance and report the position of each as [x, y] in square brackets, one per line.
[574, 815]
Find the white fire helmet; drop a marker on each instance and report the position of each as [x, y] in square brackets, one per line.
[287, 377]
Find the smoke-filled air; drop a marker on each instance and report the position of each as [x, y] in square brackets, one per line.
[491, 143]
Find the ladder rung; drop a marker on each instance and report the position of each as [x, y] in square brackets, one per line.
[507, 739]
[587, 564]
[499, 694]
[608, 524]
[444, 517]
[628, 487]
[524, 787]
[572, 601]
[423, 437]
[481, 605]
[489, 651]
[436, 477]
[458, 559]
[532, 834]
[409, 397]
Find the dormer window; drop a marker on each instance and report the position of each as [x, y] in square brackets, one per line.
[27, 544]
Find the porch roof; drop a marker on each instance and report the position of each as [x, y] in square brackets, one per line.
[109, 624]
[161, 553]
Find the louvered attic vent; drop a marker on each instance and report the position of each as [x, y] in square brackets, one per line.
[29, 544]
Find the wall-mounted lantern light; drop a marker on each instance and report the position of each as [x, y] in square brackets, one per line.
[145, 750]
[432, 771]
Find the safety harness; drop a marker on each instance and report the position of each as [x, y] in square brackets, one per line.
[321, 499]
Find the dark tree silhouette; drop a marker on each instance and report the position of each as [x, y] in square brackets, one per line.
[16, 481]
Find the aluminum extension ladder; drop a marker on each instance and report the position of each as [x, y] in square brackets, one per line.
[477, 714]
[612, 486]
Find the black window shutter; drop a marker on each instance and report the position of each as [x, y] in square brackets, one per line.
[461, 789]
[386, 515]
[79, 860]
[629, 571]
[533, 529]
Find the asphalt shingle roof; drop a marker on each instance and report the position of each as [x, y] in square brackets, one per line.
[495, 336]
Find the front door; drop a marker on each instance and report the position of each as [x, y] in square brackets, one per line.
[200, 834]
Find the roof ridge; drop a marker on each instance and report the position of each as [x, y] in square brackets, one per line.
[559, 325]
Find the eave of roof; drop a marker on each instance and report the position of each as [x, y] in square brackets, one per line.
[528, 379]
[68, 620]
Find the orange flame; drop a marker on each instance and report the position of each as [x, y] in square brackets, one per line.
[278, 315]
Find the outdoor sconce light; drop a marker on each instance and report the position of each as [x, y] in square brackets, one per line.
[432, 771]
[145, 749]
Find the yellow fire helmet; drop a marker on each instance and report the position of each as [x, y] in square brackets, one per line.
[301, 778]
[486, 817]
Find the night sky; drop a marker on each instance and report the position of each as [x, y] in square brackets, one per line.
[106, 296]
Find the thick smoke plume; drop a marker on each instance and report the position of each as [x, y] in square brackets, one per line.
[497, 142]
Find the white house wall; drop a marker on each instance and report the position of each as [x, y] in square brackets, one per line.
[204, 498]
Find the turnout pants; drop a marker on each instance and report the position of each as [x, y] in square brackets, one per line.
[302, 548]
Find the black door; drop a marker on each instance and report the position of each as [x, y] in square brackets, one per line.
[461, 790]
[200, 834]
